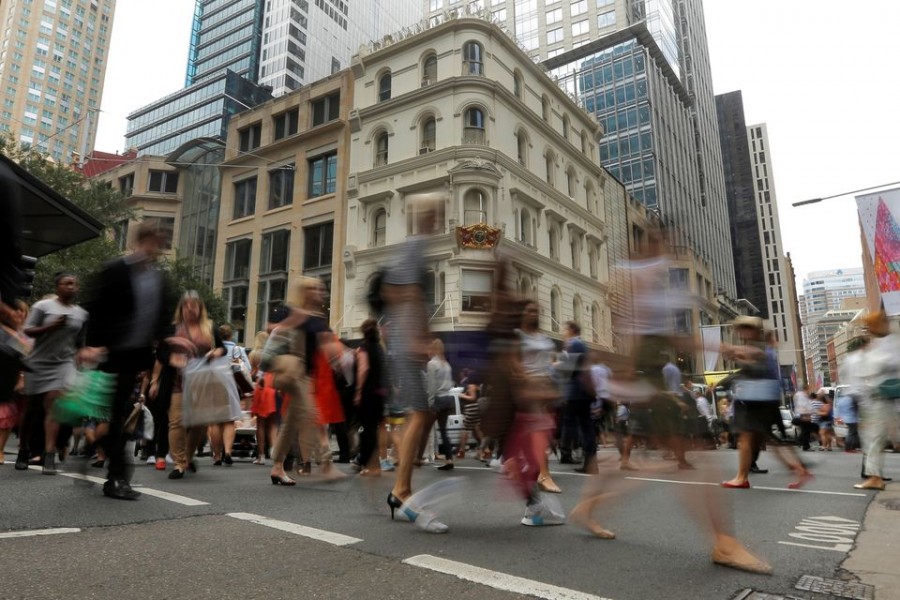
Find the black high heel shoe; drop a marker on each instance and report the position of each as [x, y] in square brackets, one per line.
[394, 502]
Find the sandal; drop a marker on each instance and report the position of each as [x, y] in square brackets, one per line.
[546, 484]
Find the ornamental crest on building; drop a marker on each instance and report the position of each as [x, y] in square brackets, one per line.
[479, 236]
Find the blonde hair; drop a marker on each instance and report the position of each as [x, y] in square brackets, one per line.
[205, 323]
[259, 344]
[437, 348]
[299, 292]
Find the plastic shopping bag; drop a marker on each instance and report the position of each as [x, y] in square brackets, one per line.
[90, 397]
[210, 394]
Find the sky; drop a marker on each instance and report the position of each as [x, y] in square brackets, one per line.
[819, 73]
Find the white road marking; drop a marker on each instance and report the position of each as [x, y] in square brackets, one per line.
[336, 539]
[32, 532]
[176, 498]
[497, 580]
[755, 487]
[836, 533]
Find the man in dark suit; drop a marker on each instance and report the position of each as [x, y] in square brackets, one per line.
[129, 310]
[579, 397]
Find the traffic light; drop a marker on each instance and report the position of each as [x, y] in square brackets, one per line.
[27, 265]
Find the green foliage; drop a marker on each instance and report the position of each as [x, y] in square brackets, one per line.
[97, 199]
[182, 277]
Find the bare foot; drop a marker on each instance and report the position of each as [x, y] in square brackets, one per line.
[735, 556]
[580, 515]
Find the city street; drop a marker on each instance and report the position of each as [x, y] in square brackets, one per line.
[228, 533]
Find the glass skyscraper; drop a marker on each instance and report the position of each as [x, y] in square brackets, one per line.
[225, 34]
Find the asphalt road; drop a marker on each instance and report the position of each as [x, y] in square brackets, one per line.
[212, 539]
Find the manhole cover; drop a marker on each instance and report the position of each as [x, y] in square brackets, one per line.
[836, 588]
[757, 595]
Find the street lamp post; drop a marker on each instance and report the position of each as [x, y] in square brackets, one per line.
[817, 200]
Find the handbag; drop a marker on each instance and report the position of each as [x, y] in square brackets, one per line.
[90, 397]
[444, 403]
[889, 388]
[239, 371]
[210, 395]
[757, 390]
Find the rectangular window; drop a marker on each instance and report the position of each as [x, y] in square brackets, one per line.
[236, 297]
[318, 242]
[244, 198]
[163, 182]
[249, 137]
[270, 296]
[683, 321]
[275, 252]
[322, 178]
[554, 36]
[286, 123]
[237, 259]
[554, 16]
[326, 109]
[581, 28]
[606, 20]
[476, 290]
[579, 7]
[120, 232]
[281, 186]
[126, 184]
[678, 279]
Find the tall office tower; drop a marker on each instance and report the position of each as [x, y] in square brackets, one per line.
[243, 52]
[780, 312]
[53, 58]
[642, 67]
[226, 34]
[746, 246]
[829, 299]
[306, 41]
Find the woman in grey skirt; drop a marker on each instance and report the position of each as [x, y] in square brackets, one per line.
[57, 326]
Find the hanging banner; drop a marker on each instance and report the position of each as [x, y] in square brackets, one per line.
[712, 341]
[878, 217]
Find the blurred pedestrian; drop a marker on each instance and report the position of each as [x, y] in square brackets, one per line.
[370, 396]
[129, 309]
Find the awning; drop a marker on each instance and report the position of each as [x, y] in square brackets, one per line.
[50, 222]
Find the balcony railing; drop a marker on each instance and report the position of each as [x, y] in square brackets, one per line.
[474, 136]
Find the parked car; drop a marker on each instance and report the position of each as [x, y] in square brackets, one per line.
[791, 431]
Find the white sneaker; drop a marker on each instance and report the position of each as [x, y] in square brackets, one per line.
[539, 515]
[169, 459]
[151, 460]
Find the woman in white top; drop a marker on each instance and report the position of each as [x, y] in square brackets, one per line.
[439, 382]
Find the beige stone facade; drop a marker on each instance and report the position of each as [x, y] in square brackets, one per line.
[283, 201]
[154, 191]
[458, 114]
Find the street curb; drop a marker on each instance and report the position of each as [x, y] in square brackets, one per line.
[873, 559]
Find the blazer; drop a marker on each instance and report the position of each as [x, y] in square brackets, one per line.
[111, 305]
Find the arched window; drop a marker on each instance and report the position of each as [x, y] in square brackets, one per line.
[429, 136]
[584, 143]
[566, 127]
[473, 128]
[571, 182]
[595, 323]
[384, 87]
[474, 207]
[576, 309]
[522, 148]
[589, 199]
[545, 108]
[518, 85]
[429, 70]
[473, 61]
[553, 237]
[379, 228]
[381, 149]
[526, 229]
[593, 258]
[554, 310]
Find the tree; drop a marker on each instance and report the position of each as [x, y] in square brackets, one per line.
[182, 277]
[97, 199]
